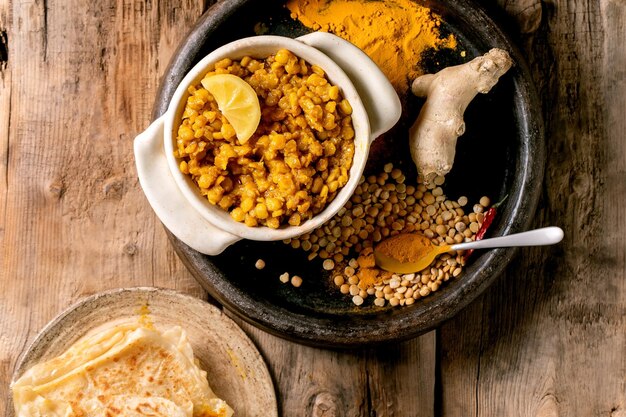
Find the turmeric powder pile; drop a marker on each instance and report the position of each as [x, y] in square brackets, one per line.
[394, 33]
[405, 247]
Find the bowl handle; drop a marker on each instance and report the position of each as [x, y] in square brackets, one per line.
[379, 98]
[167, 201]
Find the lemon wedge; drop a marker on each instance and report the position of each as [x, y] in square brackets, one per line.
[237, 101]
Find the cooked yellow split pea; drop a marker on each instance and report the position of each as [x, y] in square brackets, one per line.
[297, 159]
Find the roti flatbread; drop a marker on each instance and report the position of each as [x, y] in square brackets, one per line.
[125, 370]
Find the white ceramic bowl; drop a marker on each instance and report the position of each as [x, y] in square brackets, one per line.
[177, 200]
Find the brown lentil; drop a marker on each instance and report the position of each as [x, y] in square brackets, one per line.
[377, 210]
[296, 281]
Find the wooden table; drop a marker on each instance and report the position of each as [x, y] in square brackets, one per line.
[77, 82]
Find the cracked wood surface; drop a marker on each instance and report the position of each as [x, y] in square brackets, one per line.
[77, 81]
[549, 337]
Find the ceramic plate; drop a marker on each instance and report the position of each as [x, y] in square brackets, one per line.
[236, 370]
[501, 153]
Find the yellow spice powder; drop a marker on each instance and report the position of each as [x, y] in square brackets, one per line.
[394, 33]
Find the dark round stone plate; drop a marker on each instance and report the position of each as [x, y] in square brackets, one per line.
[502, 153]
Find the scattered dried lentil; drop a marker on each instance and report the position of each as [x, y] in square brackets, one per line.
[296, 281]
[328, 264]
[384, 206]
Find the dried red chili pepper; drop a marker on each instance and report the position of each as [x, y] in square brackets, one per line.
[487, 220]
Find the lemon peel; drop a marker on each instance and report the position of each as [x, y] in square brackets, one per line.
[237, 101]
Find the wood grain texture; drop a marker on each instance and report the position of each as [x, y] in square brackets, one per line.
[77, 82]
[549, 339]
[75, 221]
[390, 380]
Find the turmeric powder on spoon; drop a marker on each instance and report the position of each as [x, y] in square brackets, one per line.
[394, 33]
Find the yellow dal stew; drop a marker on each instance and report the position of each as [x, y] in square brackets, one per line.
[296, 160]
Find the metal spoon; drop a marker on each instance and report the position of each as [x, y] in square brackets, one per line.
[537, 237]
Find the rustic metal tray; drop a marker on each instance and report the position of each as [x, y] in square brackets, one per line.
[501, 153]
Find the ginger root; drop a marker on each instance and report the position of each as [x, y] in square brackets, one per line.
[434, 134]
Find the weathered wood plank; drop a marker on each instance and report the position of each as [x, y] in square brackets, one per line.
[5, 106]
[74, 220]
[549, 338]
[401, 378]
[392, 380]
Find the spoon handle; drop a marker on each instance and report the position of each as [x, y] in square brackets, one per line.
[537, 237]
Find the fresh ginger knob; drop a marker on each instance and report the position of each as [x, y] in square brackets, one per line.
[448, 93]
